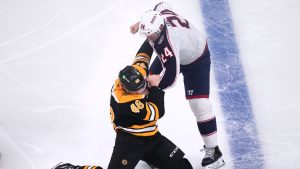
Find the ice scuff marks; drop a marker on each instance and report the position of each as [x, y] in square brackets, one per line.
[232, 86]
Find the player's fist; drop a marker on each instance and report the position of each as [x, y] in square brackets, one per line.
[153, 80]
[134, 28]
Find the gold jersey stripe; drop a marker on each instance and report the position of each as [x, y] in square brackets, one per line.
[139, 133]
[144, 55]
[138, 130]
[146, 133]
[141, 59]
[153, 123]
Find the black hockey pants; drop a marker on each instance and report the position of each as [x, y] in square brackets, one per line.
[155, 150]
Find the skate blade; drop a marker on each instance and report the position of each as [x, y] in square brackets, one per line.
[218, 164]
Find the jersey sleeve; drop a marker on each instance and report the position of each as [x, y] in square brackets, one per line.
[169, 75]
[143, 55]
[156, 96]
[156, 67]
[170, 62]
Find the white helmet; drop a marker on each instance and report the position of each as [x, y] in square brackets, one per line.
[150, 23]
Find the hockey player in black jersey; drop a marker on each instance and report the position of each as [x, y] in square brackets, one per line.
[136, 104]
[135, 109]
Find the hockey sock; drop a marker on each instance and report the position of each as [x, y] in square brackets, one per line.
[208, 130]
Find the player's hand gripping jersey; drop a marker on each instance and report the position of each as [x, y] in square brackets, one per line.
[180, 43]
[137, 114]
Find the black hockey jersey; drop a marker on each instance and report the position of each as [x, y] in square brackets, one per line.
[136, 113]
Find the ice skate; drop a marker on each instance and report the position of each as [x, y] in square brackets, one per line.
[71, 166]
[212, 159]
[64, 166]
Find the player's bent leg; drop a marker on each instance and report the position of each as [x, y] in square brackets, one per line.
[127, 152]
[183, 164]
[166, 155]
[122, 159]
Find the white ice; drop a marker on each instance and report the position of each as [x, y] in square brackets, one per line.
[58, 60]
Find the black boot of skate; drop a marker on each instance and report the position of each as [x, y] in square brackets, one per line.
[64, 166]
[213, 158]
[71, 166]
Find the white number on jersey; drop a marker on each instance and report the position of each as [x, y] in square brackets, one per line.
[167, 53]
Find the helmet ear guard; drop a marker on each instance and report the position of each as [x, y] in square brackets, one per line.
[151, 23]
[132, 78]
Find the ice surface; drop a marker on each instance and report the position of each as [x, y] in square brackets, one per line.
[58, 60]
